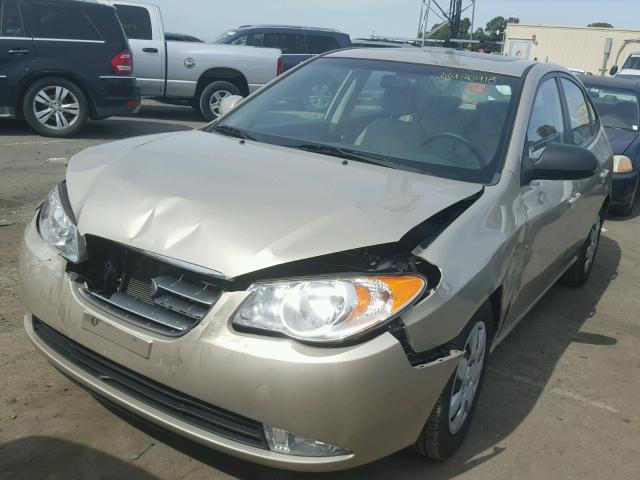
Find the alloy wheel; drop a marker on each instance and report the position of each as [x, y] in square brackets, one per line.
[56, 107]
[216, 100]
[467, 379]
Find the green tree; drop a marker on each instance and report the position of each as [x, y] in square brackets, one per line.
[600, 25]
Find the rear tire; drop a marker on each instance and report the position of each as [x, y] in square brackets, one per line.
[211, 97]
[446, 429]
[55, 107]
[580, 271]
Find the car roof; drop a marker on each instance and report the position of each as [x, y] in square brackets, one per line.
[445, 57]
[293, 27]
[611, 82]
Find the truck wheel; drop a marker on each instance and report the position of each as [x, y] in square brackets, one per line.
[55, 107]
[451, 417]
[212, 96]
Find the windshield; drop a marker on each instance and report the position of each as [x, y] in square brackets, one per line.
[434, 120]
[632, 63]
[224, 38]
[618, 108]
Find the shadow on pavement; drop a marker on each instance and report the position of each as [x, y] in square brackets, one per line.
[37, 457]
[531, 353]
[154, 118]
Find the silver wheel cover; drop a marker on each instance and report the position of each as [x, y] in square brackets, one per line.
[467, 379]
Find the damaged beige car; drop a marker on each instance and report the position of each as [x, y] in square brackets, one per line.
[314, 286]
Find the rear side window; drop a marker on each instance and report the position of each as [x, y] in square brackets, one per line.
[316, 44]
[284, 41]
[580, 118]
[546, 125]
[10, 20]
[62, 22]
[136, 22]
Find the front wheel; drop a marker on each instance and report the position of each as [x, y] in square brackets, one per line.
[55, 107]
[450, 419]
[212, 96]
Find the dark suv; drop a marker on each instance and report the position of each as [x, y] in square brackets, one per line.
[296, 43]
[62, 62]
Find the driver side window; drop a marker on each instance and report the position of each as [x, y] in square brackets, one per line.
[546, 125]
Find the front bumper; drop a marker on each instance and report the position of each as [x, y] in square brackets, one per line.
[623, 188]
[366, 398]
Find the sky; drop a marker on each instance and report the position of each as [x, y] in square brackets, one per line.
[208, 18]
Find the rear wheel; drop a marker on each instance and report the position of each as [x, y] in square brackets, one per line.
[451, 417]
[212, 96]
[55, 107]
[579, 272]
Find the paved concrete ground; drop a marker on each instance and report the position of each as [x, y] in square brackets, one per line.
[560, 399]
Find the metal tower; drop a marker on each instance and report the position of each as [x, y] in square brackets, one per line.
[451, 18]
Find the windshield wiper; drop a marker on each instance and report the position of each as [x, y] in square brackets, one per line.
[356, 155]
[232, 132]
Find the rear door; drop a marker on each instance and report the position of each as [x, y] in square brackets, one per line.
[16, 54]
[287, 42]
[143, 26]
[584, 131]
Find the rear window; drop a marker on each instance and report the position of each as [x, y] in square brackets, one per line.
[10, 19]
[316, 44]
[64, 23]
[136, 22]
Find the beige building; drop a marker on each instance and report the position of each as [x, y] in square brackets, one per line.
[574, 47]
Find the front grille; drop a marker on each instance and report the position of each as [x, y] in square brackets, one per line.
[162, 398]
[144, 290]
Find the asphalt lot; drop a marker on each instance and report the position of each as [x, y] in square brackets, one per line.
[560, 400]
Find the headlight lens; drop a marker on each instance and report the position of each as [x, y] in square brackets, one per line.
[622, 164]
[327, 310]
[57, 226]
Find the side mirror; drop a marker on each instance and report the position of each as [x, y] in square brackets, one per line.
[229, 103]
[613, 70]
[564, 162]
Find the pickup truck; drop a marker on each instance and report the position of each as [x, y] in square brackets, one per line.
[199, 73]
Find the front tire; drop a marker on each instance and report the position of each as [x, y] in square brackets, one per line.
[450, 419]
[580, 271]
[212, 96]
[55, 107]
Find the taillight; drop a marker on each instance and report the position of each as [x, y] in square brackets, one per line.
[280, 66]
[122, 63]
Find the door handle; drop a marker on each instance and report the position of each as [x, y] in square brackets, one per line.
[150, 50]
[18, 51]
[574, 198]
[604, 173]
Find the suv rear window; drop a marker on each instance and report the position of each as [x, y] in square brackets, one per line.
[316, 44]
[63, 22]
[10, 20]
[136, 22]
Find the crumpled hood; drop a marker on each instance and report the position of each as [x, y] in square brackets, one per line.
[235, 208]
[621, 140]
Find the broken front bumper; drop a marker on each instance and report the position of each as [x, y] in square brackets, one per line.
[365, 398]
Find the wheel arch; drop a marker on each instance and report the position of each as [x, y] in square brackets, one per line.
[29, 80]
[225, 74]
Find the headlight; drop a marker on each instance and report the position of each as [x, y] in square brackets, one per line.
[327, 309]
[622, 164]
[56, 224]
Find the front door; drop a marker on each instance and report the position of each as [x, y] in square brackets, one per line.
[144, 30]
[16, 54]
[547, 204]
